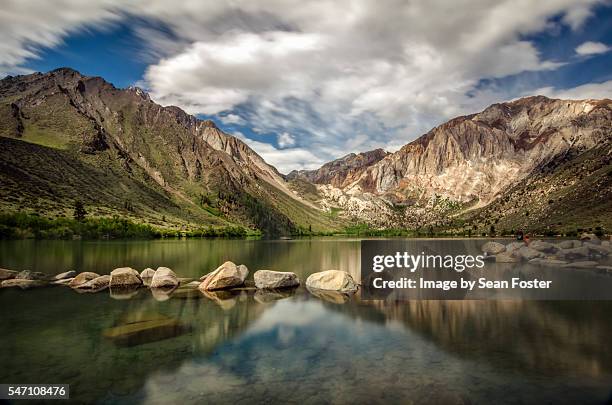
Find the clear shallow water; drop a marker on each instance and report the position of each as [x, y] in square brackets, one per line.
[250, 347]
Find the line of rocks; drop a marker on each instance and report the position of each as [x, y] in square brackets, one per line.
[164, 281]
[583, 254]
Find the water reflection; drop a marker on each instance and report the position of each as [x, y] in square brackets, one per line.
[300, 346]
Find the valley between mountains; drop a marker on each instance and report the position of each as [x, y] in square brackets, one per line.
[535, 164]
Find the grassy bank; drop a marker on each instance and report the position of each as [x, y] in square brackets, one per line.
[32, 226]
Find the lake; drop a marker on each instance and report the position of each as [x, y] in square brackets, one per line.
[292, 347]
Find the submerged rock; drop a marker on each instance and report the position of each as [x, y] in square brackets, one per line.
[65, 275]
[227, 275]
[124, 277]
[24, 284]
[493, 248]
[332, 280]
[145, 331]
[275, 279]
[164, 277]
[7, 274]
[82, 278]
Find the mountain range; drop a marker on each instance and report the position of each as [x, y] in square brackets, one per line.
[535, 163]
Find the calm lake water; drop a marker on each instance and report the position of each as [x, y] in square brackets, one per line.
[248, 347]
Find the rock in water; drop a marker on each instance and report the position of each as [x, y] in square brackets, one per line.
[125, 277]
[23, 284]
[511, 247]
[493, 248]
[7, 274]
[31, 275]
[506, 257]
[333, 280]
[529, 253]
[542, 246]
[98, 283]
[590, 237]
[164, 277]
[82, 278]
[225, 276]
[568, 244]
[275, 279]
[65, 275]
[147, 273]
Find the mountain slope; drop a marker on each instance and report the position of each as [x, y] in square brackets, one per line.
[474, 160]
[198, 174]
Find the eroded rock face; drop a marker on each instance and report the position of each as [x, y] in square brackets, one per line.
[332, 280]
[493, 248]
[82, 278]
[164, 277]
[227, 275]
[270, 279]
[124, 277]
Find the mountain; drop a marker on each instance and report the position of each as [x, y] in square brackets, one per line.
[65, 136]
[340, 172]
[535, 155]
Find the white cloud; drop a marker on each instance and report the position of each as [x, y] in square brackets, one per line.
[285, 139]
[583, 92]
[339, 76]
[592, 48]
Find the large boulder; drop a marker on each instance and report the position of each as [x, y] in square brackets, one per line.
[125, 277]
[97, 284]
[493, 248]
[164, 277]
[528, 253]
[332, 280]
[542, 246]
[65, 275]
[82, 278]
[568, 244]
[7, 274]
[511, 247]
[24, 284]
[275, 279]
[573, 253]
[227, 275]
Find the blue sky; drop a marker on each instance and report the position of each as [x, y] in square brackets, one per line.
[308, 82]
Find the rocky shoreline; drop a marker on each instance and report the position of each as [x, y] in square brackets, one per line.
[125, 282]
[585, 253]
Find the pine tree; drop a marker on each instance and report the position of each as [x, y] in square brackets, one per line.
[79, 210]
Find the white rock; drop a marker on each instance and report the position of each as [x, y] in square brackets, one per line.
[227, 275]
[275, 279]
[124, 277]
[164, 277]
[333, 280]
[65, 275]
[82, 278]
[147, 273]
[493, 248]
